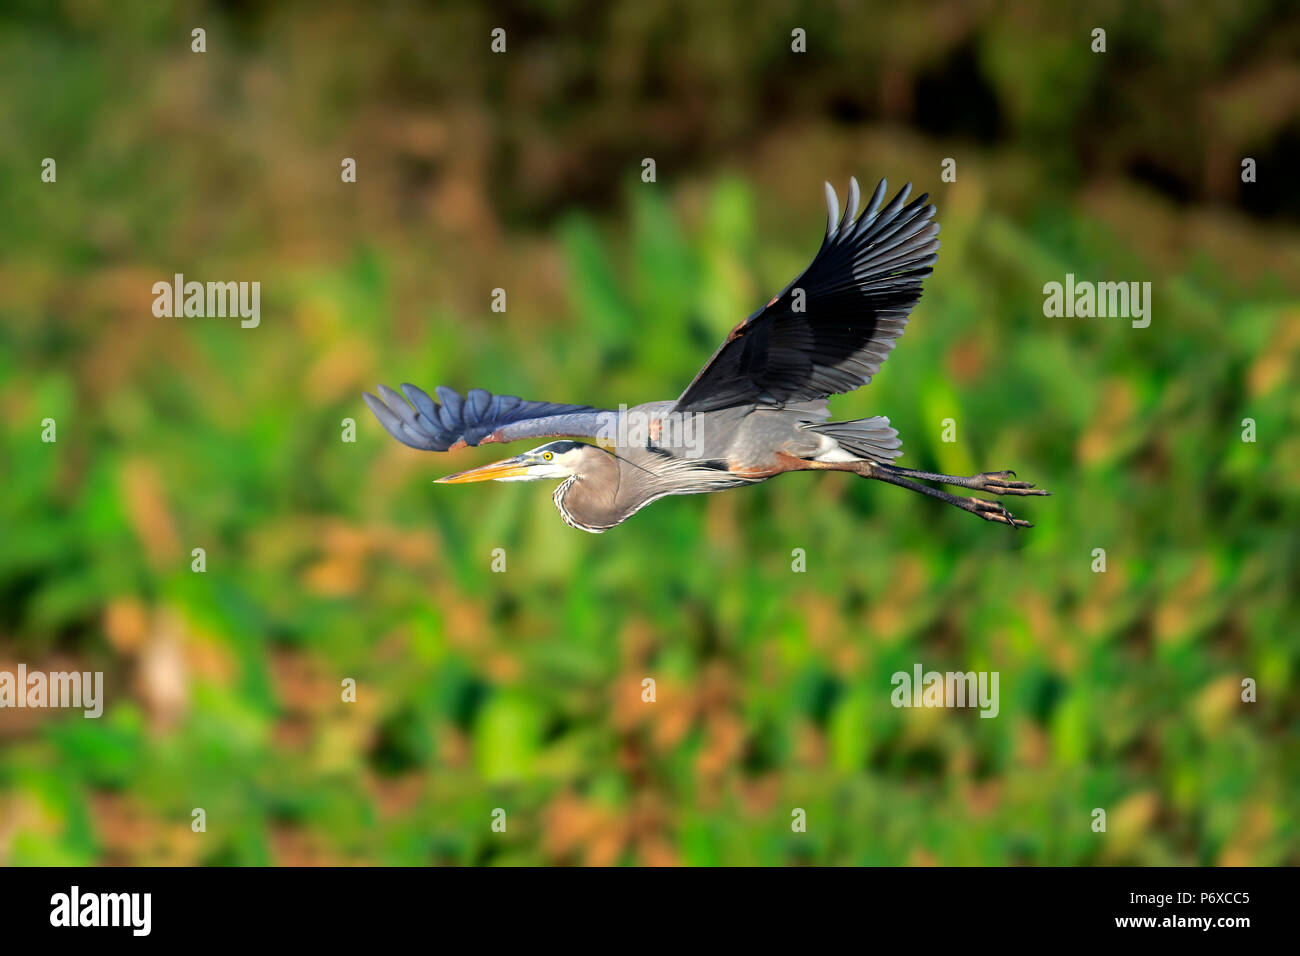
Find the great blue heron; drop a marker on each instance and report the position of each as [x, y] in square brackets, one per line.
[756, 410]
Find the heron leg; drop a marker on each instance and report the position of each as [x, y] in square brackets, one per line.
[988, 510]
[991, 482]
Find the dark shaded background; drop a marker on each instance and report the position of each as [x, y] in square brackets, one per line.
[522, 690]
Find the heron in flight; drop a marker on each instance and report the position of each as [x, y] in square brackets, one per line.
[756, 410]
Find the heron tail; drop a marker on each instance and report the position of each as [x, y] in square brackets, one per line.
[870, 438]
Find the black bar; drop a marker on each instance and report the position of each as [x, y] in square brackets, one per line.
[223, 906]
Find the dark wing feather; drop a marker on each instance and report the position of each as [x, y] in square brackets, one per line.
[857, 295]
[481, 418]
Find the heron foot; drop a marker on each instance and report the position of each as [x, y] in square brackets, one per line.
[998, 483]
[992, 511]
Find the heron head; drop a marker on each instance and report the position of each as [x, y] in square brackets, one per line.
[557, 459]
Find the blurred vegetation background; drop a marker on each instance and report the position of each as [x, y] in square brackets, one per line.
[522, 690]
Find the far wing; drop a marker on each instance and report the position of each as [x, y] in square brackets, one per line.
[481, 418]
[833, 327]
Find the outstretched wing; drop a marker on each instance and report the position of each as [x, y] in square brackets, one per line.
[480, 418]
[833, 327]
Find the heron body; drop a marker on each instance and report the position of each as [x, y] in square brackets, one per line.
[757, 409]
[734, 447]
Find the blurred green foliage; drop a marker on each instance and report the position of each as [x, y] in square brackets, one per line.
[328, 560]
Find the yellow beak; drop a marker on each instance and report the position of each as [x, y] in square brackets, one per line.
[510, 468]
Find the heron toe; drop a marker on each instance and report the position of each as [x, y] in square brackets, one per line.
[995, 511]
[997, 483]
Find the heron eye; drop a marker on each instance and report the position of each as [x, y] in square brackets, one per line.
[546, 455]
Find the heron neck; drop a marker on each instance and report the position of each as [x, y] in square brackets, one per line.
[593, 499]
